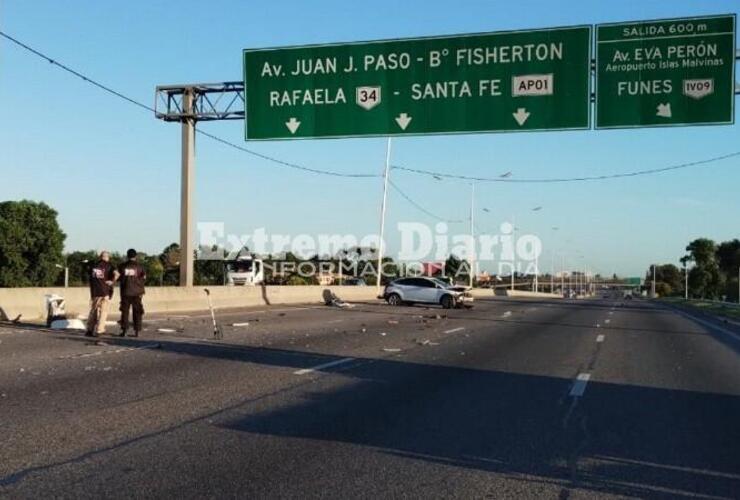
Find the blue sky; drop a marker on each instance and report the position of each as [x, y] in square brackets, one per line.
[112, 170]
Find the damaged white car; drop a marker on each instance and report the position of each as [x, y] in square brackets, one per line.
[424, 290]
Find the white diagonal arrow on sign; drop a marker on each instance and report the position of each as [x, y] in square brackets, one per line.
[664, 110]
[292, 124]
[521, 116]
[403, 120]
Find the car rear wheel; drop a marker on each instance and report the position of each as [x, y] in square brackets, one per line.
[394, 299]
[448, 302]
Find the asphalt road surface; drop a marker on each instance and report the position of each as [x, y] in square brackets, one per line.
[513, 399]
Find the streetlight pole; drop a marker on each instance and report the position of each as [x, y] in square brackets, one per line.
[472, 234]
[686, 282]
[652, 286]
[552, 272]
[562, 274]
[66, 273]
[513, 257]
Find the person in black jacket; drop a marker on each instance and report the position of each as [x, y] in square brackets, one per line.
[102, 275]
[132, 276]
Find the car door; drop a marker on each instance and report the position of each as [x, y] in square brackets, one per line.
[426, 290]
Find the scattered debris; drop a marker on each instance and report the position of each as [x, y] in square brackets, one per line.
[426, 342]
[217, 333]
[55, 308]
[107, 368]
[67, 324]
[331, 299]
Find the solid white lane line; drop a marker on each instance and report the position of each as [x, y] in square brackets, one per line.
[708, 324]
[579, 386]
[599, 338]
[458, 329]
[321, 367]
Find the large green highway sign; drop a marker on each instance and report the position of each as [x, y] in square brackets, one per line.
[667, 72]
[507, 81]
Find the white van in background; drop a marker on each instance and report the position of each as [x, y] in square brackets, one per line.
[244, 271]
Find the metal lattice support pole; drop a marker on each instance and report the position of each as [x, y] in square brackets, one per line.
[189, 104]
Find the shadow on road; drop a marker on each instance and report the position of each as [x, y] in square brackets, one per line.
[617, 439]
[622, 440]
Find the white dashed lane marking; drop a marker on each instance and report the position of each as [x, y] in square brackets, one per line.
[600, 338]
[579, 386]
[321, 367]
[111, 351]
[458, 329]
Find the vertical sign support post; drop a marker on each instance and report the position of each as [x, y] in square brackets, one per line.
[386, 173]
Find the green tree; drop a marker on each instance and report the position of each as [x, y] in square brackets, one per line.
[728, 259]
[705, 279]
[31, 244]
[79, 263]
[457, 269]
[668, 279]
[152, 267]
[170, 260]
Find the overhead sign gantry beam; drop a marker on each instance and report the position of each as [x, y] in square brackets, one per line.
[189, 104]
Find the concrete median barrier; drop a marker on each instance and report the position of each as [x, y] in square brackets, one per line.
[27, 304]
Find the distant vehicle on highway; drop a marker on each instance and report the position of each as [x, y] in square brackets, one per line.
[244, 271]
[355, 282]
[426, 291]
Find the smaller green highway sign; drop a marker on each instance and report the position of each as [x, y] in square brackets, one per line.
[506, 81]
[665, 72]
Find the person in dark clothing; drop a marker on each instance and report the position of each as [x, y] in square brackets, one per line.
[102, 276]
[132, 276]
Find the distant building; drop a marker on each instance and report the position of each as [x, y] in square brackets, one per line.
[484, 278]
[326, 279]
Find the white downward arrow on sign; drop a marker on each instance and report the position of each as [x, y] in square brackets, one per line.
[521, 116]
[403, 120]
[664, 110]
[292, 124]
